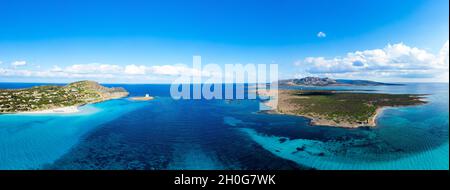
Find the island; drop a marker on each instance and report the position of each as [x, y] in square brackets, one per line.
[142, 98]
[56, 98]
[339, 109]
[317, 81]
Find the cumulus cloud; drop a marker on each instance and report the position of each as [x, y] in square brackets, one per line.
[444, 55]
[135, 70]
[18, 63]
[93, 68]
[321, 35]
[99, 71]
[177, 70]
[397, 60]
[167, 70]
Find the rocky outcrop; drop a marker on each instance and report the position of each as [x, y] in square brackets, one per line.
[104, 92]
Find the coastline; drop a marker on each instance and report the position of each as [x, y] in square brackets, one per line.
[272, 103]
[61, 110]
[54, 99]
[316, 121]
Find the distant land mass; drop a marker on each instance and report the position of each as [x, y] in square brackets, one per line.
[339, 109]
[40, 98]
[317, 81]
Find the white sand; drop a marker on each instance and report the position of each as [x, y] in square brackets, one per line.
[63, 110]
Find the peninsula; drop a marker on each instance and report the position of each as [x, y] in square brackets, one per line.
[56, 99]
[339, 109]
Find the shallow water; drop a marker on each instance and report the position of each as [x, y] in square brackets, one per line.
[200, 134]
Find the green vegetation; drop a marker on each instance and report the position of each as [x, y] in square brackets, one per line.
[48, 97]
[345, 107]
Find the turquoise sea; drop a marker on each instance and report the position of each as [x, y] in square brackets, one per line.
[219, 134]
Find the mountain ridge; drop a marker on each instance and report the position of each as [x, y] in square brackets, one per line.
[318, 81]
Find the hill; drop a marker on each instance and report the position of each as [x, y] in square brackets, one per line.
[49, 97]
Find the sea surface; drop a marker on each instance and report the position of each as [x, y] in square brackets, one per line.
[221, 134]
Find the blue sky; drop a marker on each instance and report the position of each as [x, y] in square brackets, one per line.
[62, 41]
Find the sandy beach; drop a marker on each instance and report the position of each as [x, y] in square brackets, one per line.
[63, 110]
[278, 105]
[144, 98]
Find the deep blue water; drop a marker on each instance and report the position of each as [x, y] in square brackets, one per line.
[218, 134]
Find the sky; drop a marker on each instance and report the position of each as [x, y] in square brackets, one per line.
[154, 41]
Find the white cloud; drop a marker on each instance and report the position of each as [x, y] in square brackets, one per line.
[56, 69]
[106, 72]
[18, 63]
[177, 70]
[398, 60]
[135, 70]
[168, 70]
[444, 55]
[93, 68]
[321, 35]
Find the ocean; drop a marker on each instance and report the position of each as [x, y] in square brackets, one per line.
[217, 134]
